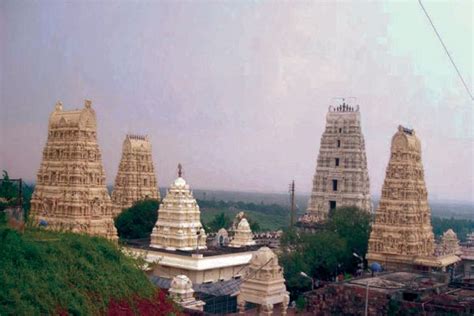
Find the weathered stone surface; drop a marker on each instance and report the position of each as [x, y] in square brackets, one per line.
[264, 284]
[179, 220]
[341, 177]
[136, 178]
[402, 235]
[70, 191]
[449, 244]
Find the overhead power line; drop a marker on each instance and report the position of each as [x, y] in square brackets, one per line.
[446, 50]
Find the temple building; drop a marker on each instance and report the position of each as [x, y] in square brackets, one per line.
[70, 191]
[179, 220]
[136, 178]
[264, 284]
[243, 235]
[402, 236]
[341, 177]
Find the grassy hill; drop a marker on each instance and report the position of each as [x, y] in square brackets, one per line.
[43, 272]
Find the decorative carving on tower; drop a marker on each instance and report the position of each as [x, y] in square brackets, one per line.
[263, 284]
[402, 232]
[341, 177]
[136, 178]
[70, 191]
[243, 235]
[179, 220]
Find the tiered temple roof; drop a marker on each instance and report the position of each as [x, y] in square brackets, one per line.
[70, 191]
[402, 235]
[179, 223]
[136, 178]
[341, 177]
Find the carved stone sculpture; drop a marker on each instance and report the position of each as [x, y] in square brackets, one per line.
[70, 191]
[136, 178]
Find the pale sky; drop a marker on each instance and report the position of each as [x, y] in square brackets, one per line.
[237, 91]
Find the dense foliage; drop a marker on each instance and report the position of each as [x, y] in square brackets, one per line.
[222, 220]
[9, 193]
[326, 253]
[461, 227]
[44, 272]
[137, 221]
[261, 217]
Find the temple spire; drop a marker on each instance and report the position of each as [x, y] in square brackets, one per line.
[180, 170]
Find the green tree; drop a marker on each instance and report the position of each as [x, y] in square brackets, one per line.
[219, 221]
[353, 225]
[137, 221]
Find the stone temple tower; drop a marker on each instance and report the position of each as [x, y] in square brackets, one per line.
[136, 178]
[341, 177]
[402, 236]
[70, 191]
[179, 220]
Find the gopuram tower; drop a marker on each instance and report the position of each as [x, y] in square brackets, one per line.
[341, 177]
[402, 236]
[179, 220]
[70, 191]
[136, 178]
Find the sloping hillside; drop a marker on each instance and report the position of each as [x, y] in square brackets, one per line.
[43, 272]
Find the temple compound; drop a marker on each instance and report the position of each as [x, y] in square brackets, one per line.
[341, 177]
[179, 220]
[136, 178]
[402, 236]
[264, 284]
[70, 191]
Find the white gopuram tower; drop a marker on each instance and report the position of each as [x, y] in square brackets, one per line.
[136, 178]
[179, 220]
[341, 177]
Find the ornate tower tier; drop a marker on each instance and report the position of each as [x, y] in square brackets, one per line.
[179, 220]
[402, 235]
[136, 178]
[341, 177]
[70, 191]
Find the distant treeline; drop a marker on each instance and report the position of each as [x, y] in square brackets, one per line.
[275, 209]
[461, 227]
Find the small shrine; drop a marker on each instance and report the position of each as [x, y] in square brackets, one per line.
[179, 220]
[449, 244]
[264, 284]
[243, 235]
[181, 291]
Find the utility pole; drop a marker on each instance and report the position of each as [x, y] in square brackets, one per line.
[292, 202]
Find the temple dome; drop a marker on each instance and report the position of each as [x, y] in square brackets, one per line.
[180, 182]
[243, 225]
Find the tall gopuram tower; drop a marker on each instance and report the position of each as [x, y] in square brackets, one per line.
[179, 220]
[136, 178]
[341, 177]
[402, 236]
[70, 191]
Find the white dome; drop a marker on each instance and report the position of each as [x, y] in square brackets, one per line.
[243, 225]
[181, 282]
[179, 182]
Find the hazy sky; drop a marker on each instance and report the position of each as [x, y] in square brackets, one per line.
[237, 91]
